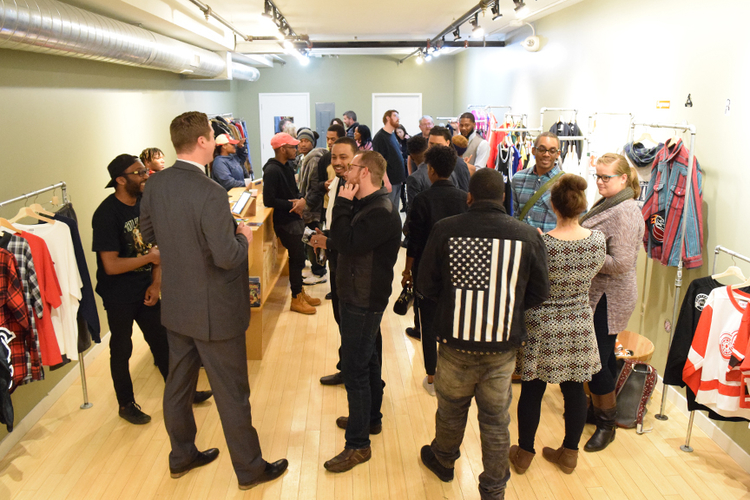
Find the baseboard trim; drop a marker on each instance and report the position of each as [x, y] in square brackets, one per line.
[704, 423]
[21, 428]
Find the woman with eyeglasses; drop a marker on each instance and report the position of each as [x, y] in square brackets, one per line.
[614, 291]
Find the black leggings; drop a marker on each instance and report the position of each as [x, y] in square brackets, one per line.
[427, 311]
[603, 382]
[530, 409]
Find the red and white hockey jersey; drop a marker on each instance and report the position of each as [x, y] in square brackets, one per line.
[707, 371]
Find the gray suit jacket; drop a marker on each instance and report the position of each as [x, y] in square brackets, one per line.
[205, 292]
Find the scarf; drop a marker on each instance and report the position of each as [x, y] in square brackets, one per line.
[333, 188]
[607, 203]
[640, 155]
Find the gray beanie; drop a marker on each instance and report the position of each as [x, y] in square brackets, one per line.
[306, 133]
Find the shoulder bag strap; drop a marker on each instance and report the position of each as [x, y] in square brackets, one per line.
[532, 201]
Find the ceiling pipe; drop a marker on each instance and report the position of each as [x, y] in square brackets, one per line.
[480, 7]
[244, 72]
[399, 44]
[52, 27]
[209, 12]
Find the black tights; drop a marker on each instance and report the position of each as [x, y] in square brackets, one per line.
[530, 408]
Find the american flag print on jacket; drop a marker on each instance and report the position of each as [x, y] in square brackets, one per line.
[484, 272]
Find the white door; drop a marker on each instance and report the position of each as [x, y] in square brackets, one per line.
[273, 108]
[409, 107]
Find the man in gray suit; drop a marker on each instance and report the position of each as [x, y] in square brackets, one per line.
[205, 303]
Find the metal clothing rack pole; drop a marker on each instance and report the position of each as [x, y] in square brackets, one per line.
[544, 110]
[683, 226]
[686, 447]
[63, 187]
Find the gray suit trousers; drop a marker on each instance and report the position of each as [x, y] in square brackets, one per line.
[226, 367]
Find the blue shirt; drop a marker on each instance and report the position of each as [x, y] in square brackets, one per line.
[525, 183]
[229, 171]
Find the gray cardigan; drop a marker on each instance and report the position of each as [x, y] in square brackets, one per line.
[623, 228]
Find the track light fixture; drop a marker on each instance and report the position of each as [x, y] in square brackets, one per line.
[519, 5]
[457, 33]
[272, 14]
[495, 9]
[476, 31]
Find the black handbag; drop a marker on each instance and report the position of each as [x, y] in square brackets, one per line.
[405, 300]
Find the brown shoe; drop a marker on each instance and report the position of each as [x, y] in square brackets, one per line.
[564, 458]
[299, 305]
[520, 458]
[342, 422]
[310, 300]
[347, 459]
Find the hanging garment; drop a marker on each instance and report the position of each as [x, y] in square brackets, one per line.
[561, 129]
[51, 294]
[14, 314]
[576, 146]
[27, 341]
[60, 244]
[664, 209]
[496, 139]
[504, 164]
[690, 312]
[6, 379]
[707, 371]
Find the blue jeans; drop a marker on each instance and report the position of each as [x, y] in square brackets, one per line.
[459, 377]
[395, 195]
[360, 366]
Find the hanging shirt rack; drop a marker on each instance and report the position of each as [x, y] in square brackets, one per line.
[545, 110]
[719, 249]
[683, 226]
[63, 187]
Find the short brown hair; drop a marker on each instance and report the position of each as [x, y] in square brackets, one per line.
[376, 164]
[568, 196]
[388, 115]
[186, 128]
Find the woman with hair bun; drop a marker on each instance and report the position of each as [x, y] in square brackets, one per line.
[614, 291]
[561, 347]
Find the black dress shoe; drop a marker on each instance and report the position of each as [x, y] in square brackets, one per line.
[342, 423]
[204, 458]
[413, 333]
[329, 296]
[201, 396]
[335, 379]
[272, 471]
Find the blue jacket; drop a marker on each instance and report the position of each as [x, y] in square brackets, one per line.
[229, 171]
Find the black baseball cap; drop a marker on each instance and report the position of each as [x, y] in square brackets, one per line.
[117, 166]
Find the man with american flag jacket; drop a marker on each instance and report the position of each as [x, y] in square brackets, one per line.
[484, 269]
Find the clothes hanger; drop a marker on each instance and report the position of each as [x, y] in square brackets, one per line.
[645, 137]
[5, 223]
[741, 285]
[730, 271]
[28, 212]
[36, 207]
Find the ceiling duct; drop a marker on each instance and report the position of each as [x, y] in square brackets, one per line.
[52, 27]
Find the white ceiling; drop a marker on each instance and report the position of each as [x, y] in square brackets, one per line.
[321, 20]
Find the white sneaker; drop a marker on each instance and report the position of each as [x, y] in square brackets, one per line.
[430, 388]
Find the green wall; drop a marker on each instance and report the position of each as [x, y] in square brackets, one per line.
[350, 81]
[624, 56]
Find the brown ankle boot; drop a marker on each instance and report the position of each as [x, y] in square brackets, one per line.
[299, 305]
[605, 408]
[520, 458]
[564, 458]
[308, 299]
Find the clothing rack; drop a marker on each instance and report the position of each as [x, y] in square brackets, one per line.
[544, 110]
[686, 447]
[688, 194]
[63, 187]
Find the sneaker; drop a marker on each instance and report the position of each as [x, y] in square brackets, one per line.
[133, 414]
[430, 388]
[313, 280]
[430, 461]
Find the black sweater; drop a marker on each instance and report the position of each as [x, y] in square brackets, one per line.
[366, 234]
[279, 187]
[484, 268]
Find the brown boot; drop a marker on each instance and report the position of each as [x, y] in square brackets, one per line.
[520, 458]
[564, 458]
[299, 305]
[308, 299]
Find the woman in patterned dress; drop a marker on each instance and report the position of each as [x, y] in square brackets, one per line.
[614, 291]
[561, 348]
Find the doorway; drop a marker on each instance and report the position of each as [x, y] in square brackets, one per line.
[409, 107]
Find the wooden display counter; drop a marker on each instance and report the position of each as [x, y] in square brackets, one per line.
[267, 261]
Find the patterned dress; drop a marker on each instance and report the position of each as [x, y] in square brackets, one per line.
[562, 345]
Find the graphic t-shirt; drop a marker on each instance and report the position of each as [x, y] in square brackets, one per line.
[116, 229]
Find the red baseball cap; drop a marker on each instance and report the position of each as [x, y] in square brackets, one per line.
[225, 139]
[282, 139]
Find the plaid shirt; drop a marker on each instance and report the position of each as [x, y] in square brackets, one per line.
[14, 315]
[21, 250]
[525, 184]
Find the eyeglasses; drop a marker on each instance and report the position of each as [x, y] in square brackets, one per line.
[140, 173]
[352, 165]
[604, 178]
[544, 151]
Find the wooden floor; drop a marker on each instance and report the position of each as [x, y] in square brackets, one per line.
[93, 454]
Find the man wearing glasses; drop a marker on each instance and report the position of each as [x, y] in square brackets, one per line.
[281, 193]
[531, 186]
[129, 281]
